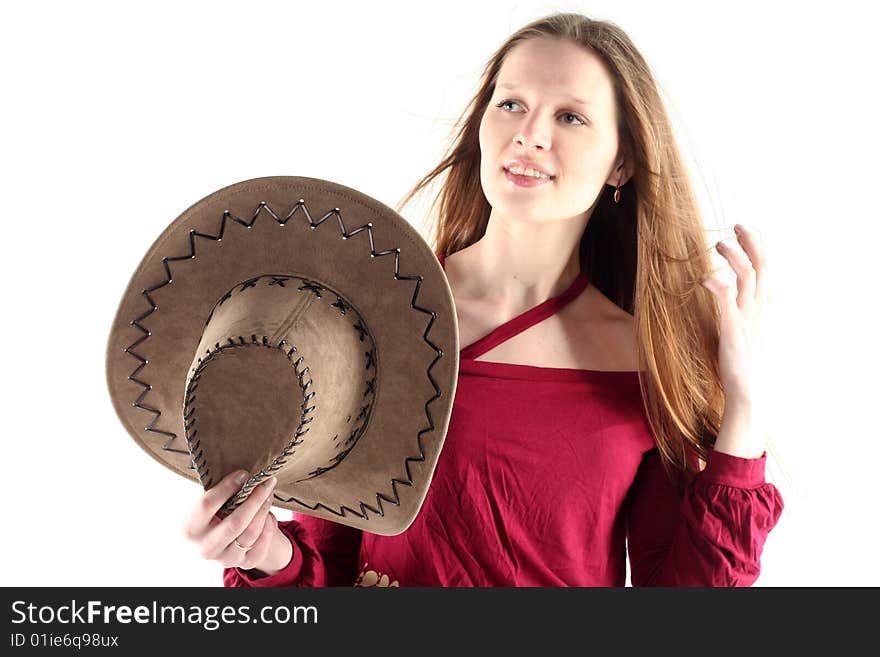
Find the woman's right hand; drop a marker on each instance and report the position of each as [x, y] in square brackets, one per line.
[251, 524]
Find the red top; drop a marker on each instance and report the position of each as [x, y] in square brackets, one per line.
[549, 477]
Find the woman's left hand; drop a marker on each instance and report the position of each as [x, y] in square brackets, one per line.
[742, 307]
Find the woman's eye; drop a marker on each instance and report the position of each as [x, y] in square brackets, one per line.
[513, 102]
[575, 116]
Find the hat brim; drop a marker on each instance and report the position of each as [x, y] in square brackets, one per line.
[336, 236]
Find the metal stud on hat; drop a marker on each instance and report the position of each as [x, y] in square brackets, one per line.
[297, 328]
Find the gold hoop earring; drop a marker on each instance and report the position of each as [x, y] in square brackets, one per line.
[617, 194]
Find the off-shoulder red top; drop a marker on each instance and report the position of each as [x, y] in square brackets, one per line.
[549, 477]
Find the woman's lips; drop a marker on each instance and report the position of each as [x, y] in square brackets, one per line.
[526, 181]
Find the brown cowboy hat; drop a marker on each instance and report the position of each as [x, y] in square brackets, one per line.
[297, 328]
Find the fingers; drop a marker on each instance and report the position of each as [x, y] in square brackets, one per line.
[252, 532]
[755, 249]
[751, 266]
[751, 244]
[216, 497]
[200, 521]
[219, 537]
[745, 274]
[262, 545]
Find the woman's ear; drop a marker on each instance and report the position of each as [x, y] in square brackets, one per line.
[623, 169]
[622, 172]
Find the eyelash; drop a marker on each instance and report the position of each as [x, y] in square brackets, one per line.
[579, 118]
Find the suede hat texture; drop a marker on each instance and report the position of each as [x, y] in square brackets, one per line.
[297, 328]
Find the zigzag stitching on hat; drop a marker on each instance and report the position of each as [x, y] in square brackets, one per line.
[379, 509]
[135, 322]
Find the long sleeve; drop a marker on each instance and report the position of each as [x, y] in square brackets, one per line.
[711, 535]
[325, 553]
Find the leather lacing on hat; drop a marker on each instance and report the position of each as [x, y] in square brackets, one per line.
[193, 443]
[337, 451]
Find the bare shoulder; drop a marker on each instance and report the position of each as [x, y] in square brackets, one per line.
[594, 304]
[613, 329]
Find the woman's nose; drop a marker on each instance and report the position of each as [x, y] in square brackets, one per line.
[536, 142]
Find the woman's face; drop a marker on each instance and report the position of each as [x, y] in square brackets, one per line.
[538, 120]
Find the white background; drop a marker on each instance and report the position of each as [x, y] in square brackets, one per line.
[116, 118]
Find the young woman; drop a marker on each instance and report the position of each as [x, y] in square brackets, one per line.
[605, 395]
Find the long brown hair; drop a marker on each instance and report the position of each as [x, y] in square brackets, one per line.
[646, 253]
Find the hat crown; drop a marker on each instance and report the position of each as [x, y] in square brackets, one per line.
[281, 384]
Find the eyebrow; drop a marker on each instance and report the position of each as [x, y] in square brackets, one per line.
[586, 103]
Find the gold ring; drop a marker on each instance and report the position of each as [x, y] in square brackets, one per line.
[243, 547]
